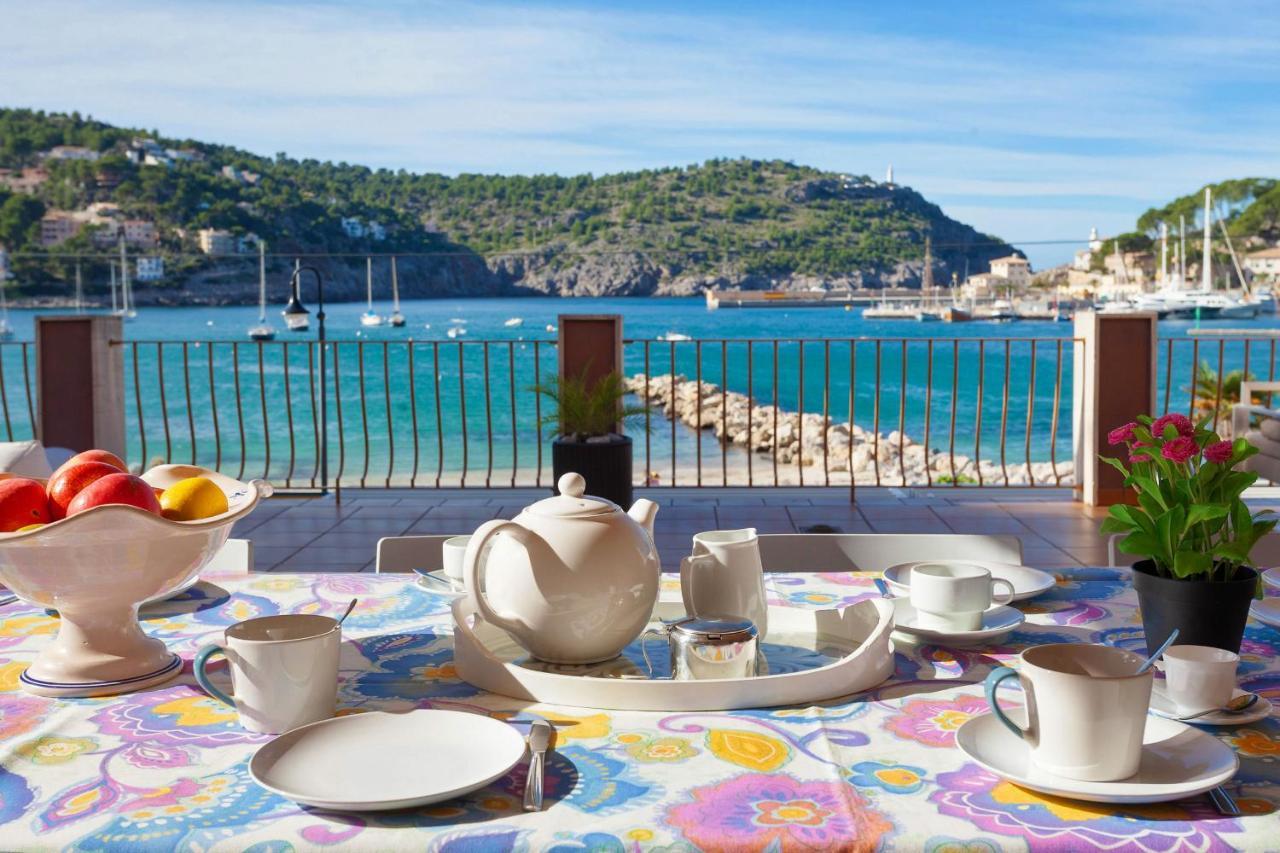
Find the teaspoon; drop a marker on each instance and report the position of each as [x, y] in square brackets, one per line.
[1237, 705]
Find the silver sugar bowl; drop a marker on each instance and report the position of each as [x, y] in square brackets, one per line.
[707, 647]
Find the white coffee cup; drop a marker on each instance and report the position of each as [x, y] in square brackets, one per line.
[1198, 678]
[454, 552]
[1086, 709]
[284, 670]
[951, 596]
[725, 577]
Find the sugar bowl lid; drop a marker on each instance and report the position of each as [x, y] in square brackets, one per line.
[714, 629]
[571, 502]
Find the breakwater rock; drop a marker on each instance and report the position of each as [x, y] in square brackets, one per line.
[810, 440]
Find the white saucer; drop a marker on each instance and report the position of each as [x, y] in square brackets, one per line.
[1162, 706]
[1272, 577]
[1266, 611]
[377, 761]
[1177, 761]
[996, 622]
[440, 583]
[1027, 582]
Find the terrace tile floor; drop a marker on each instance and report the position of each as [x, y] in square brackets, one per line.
[325, 534]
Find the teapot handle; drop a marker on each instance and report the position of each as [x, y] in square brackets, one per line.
[475, 563]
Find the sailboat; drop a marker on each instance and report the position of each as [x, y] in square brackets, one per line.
[79, 291]
[115, 301]
[369, 317]
[262, 331]
[126, 301]
[6, 330]
[396, 319]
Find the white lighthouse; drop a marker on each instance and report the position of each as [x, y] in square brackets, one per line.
[888, 178]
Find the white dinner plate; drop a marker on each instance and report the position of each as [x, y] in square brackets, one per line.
[996, 622]
[1267, 611]
[440, 583]
[377, 761]
[1162, 706]
[1177, 761]
[1027, 582]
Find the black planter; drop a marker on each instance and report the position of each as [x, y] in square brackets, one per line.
[1206, 613]
[605, 465]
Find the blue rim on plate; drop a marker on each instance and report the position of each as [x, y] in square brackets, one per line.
[174, 663]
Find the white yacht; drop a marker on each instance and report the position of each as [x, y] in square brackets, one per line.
[396, 319]
[263, 331]
[514, 322]
[370, 317]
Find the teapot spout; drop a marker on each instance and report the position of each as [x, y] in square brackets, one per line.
[643, 512]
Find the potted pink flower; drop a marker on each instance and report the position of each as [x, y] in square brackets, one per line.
[1190, 527]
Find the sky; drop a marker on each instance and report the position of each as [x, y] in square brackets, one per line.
[1030, 121]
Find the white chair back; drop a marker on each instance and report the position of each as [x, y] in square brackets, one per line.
[840, 552]
[233, 558]
[1265, 554]
[406, 553]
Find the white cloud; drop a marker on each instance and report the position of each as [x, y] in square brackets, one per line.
[1129, 112]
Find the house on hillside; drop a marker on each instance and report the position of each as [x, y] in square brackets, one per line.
[71, 152]
[1263, 264]
[216, 241]
[23, 180]
[1009, 276]
[150, 269]
[353, 227]
[57, 227]
[141, 233]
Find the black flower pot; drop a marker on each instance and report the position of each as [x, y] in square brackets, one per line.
[605, 463]
[1206, 613]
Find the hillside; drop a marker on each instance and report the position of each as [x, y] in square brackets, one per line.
[665, 231]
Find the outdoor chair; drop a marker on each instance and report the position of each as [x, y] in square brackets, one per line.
[235, 557]
[1265, 436]
[842, 552]
[406, 553]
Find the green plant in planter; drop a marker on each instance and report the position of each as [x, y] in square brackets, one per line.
[1190, 520]
[582, 412]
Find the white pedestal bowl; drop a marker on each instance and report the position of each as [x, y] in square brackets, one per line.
[96, 567]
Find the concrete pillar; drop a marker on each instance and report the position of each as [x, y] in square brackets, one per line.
[590, 342]
[1115, 381]
[80, 382]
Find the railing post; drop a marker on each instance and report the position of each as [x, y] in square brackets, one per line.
[1115, 381]
[80, 382]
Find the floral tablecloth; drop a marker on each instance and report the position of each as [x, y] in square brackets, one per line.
[167, 768]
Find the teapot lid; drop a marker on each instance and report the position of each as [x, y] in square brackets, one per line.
[571, 502]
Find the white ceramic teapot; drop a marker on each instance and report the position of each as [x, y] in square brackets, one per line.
[572, 578]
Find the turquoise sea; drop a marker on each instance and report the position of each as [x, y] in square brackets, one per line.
[427, 407]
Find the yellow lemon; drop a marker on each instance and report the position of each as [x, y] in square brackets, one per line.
[27, 527]
[192, 499]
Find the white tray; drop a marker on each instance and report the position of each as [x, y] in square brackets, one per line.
[822, 654]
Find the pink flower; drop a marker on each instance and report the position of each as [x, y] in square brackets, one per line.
[1122, 434]
[1135, 456]
[1218, 452]
[1179, 422]
[1179, 449]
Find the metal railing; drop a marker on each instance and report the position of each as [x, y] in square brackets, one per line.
[1200, 376]
[894, 411]
[17, 399]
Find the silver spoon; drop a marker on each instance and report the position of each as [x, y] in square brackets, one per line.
[1146, 664]
[1237, 705]
[350, 607]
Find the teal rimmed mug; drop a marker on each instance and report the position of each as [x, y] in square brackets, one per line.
[284, 670]
[1086, 709]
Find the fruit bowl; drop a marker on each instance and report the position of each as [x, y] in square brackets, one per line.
[96, 567]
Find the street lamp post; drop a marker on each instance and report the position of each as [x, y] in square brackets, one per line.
[295, 317]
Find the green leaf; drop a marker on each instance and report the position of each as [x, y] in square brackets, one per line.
[1140, 544]
[1188, 563]
[1204, 512]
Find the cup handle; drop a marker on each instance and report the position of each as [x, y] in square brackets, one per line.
[995, 596]
[202, 678]
[688, 569]
[993, 681]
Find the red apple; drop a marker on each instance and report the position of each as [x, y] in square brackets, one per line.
[22, 502]
[70, 481]
[92, 456]
[117, 488]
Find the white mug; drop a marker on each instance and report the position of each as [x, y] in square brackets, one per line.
[724, 577]
[454, 552]
[952, 596]
[1086, 709]
[284, 670]
[1198, 678]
